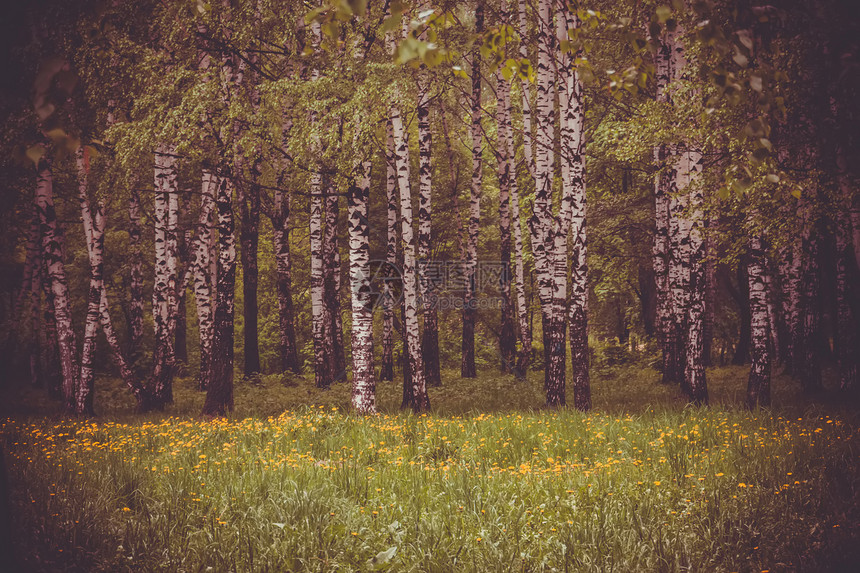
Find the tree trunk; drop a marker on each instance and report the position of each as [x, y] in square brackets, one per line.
[660, 253]
[286, 312]
[164, 289]
[94, 228]
[507, 339]
[363, 379]
[52, 254]
[523, 328]
[219, 389]
[332, 286]
[430, 338]
[470, 308]
[52, 371]
[573, 193]
[184, 237]
[647, 294]
[541, 222]
[741, 297]
[322, 370]
[528, 133]
[249, 209]
[420, 400]
[204, 279]
[710, 297]
[322, 366]
[94, 236]
[695, 382]
[390, 275]
[758, 386]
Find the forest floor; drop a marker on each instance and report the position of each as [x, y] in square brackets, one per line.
[490, 481]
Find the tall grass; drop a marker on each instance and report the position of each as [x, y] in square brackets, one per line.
[492, 483]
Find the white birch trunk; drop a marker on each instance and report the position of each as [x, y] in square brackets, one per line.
[363, 379]
[52, 252]
[574, 201]
[387, 367]
[164, 289]
[694, 371]
[758, 386]
[470, 311]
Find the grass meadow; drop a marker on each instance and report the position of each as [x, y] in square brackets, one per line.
[489, 481]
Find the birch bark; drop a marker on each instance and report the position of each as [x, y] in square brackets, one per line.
[470, 310]
[52, 254]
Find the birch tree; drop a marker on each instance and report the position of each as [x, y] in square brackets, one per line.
[470, 265]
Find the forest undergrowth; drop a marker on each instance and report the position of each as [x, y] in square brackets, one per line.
[489, 481]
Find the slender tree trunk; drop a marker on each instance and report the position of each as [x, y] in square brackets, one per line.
[420, 400]
[662, 183]
[286, 312]
[52, 254]
[387, 369]
[249, 209]
[52, 371]
[322, 367]
[184, 236]
[94, 235]
[678, 278]
[363, 379]
[332, 279]
[523, 328]
[164, 290]
[758, 386]
[203, 277]
[525, 332]
[219, 389]
[528, 133]
[322, 371]
[541, 222]
[710, 297]
[430, 338]
[695, 383]
[507, 338]
[470, 309]
[666, 338]
[573, 192]
[94, 227]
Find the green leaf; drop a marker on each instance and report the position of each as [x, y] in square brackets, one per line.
[57, 135]
[663, 13]
[382, 557]
[35, 153]
[358, 7]
[391, 23]
[315, 14]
